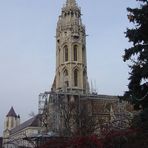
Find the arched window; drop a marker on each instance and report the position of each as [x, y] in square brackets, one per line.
[72, 13]
[75, 52]
[65, 53]
[75, 77]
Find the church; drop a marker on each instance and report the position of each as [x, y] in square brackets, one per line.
[70, 108]
[70, 104]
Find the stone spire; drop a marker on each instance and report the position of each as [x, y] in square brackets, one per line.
[11, 113]
[71, 3]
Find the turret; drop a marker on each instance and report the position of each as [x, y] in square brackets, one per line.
[11, 121]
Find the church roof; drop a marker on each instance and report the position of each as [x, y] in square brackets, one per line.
[32, 122]
[11, 113]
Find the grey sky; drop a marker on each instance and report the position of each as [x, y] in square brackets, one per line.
[27, 49]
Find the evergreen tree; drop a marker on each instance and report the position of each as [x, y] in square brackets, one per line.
[138, 56]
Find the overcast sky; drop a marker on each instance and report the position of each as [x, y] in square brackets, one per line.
[27, 49]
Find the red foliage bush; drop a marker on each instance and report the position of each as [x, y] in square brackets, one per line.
[114, 138]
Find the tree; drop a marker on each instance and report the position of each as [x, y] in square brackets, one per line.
[77, 119]
[137, 92]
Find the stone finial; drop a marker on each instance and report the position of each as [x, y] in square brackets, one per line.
[71, 3]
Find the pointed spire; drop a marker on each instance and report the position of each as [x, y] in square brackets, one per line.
[11, 113]
[71, 3]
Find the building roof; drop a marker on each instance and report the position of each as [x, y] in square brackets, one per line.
[11, 113]
[32, 122]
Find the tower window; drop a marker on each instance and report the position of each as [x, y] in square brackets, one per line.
[58, 41]
[75, 77]
[72, 14]
[65, 53]
[75, 50]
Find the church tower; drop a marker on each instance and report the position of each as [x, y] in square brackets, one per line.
[71, 62]
[12, 120]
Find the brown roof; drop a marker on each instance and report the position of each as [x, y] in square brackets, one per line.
[32, 122]
[11, 113]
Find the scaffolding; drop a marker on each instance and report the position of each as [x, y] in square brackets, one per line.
[43, 99]
[50, 108]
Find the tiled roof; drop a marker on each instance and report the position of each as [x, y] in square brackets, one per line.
[11, 113]
[32, 122]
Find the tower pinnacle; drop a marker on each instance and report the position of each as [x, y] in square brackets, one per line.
[71, 3]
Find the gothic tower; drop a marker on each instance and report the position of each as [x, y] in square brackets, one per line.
[71, 63]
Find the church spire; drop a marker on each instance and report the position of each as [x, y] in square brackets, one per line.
[71, 3]
[71, 64]
[11, 113]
